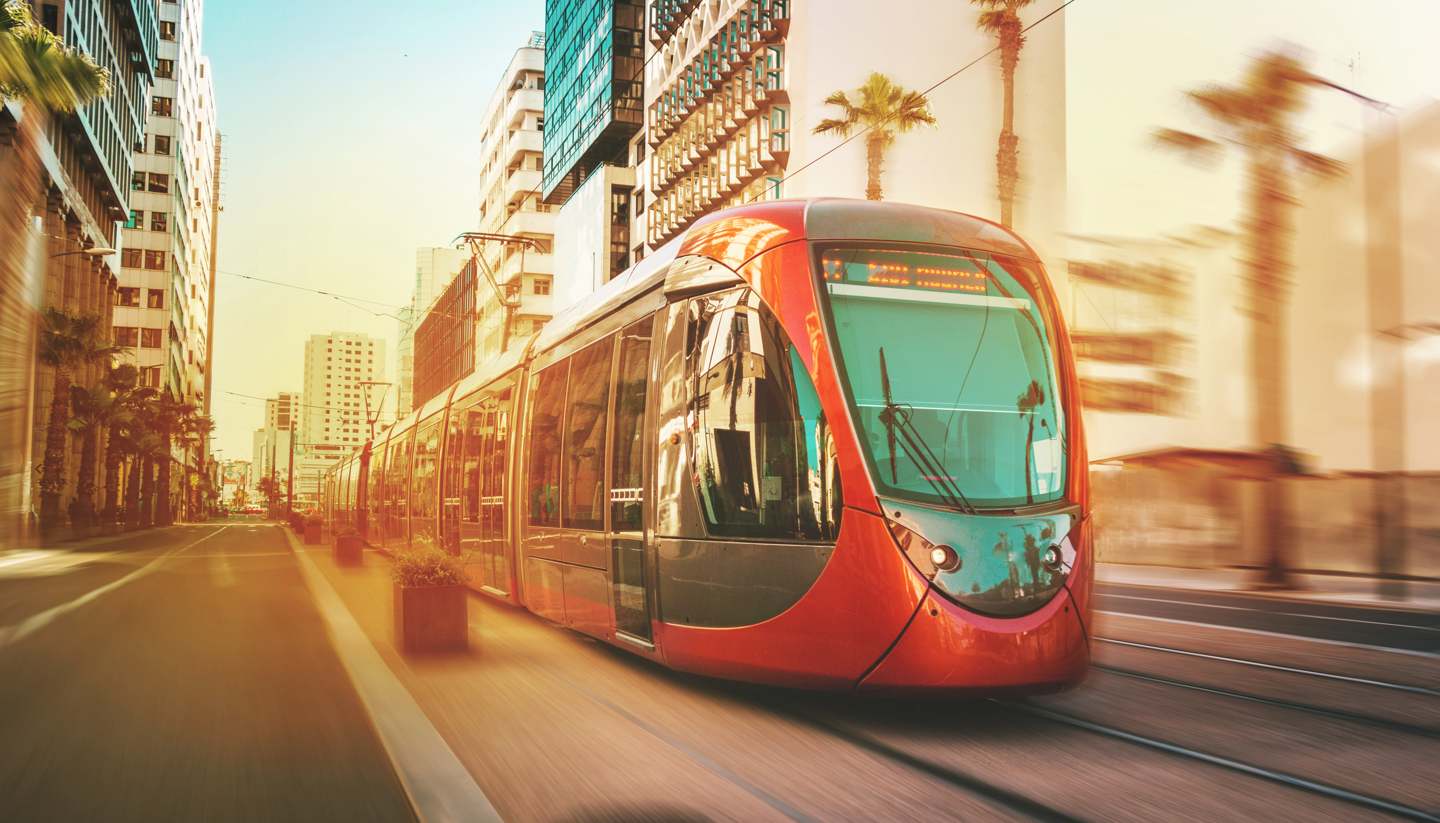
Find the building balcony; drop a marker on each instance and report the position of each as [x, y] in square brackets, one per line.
[529, 223]
[521, 184]
[535, 263]
[522, 101]
[519, 142]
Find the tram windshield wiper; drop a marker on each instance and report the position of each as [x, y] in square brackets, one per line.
[900, 429]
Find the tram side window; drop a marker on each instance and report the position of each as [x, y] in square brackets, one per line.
[454, 451]
[423, 473]
[398, 480]
[543, 475]
[585, 418]
[493, 467]
[627, 492]
[375, 495]
[470, 468]
[759, 436]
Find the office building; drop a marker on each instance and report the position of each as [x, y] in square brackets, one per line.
[163, 306]
[594, 55]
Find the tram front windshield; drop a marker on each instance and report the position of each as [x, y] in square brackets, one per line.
[950, 370]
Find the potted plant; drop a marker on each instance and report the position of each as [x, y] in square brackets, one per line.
[314, 527]
[347, 549]
[431, 608]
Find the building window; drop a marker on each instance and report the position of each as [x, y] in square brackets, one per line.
[165, 68]
[150, 338]
[137, 181]
[167, 30]
[127, 336]
[137, 219]
[130, 258]
[155, 260]
[161, 106]
[155, 298]
[541, 285]
[150, 377]
[127, 296]
[159, 221]
[159, 183]
[162, 144]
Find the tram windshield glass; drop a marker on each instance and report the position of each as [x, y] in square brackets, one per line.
[951, 371]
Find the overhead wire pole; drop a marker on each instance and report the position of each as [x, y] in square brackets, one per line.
[509, 301]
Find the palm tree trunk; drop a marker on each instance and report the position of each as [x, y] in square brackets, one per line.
[84, 511]
[132, 491]
[112, 475]
[1007, 157]
[163, 515]
[1268, 235]
[52, 474]
[874, 164]
[147, 492]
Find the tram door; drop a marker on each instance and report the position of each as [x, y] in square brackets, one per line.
[627, 482]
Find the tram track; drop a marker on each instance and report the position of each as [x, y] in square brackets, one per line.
[1344, 678]
[1290, 780]
[1308, 708]
[992, 793]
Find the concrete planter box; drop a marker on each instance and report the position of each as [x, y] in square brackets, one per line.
[431, 618]
[347, 550]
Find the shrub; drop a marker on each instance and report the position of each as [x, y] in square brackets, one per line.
[428, 567]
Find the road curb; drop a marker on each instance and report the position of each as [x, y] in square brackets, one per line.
[437, 784]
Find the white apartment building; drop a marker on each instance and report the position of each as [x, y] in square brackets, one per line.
[435, 267]
[337, 368]
[271, 442]
[163, 305]
[511, 166]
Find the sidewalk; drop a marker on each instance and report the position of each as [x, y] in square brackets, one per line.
[1329, 588]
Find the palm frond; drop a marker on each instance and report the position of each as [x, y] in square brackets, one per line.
[1318, 164]
[37, 67]
[1202, 148]
[1227, 106]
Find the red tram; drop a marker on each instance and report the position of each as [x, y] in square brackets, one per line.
[827, 444]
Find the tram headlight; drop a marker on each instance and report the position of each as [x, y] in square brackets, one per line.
[929, 558]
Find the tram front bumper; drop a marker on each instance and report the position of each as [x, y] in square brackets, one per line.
[947, 648]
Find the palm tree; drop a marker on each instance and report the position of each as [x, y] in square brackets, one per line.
[881, 109]
[90, 410]
[1258, 116]
[121, 383]
[67, 343]
[168, 422]
[44, 76]
[1001, 18]
[196, 430]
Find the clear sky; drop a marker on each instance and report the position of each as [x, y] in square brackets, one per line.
[352, 131]
[351, 137]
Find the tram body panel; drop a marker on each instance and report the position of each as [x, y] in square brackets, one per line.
[836, 631]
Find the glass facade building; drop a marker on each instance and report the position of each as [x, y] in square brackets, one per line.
[594, 102]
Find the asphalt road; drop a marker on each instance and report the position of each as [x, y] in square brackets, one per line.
[180, 674]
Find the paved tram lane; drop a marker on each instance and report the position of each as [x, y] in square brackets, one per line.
[196, 681]
[1399, 629]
